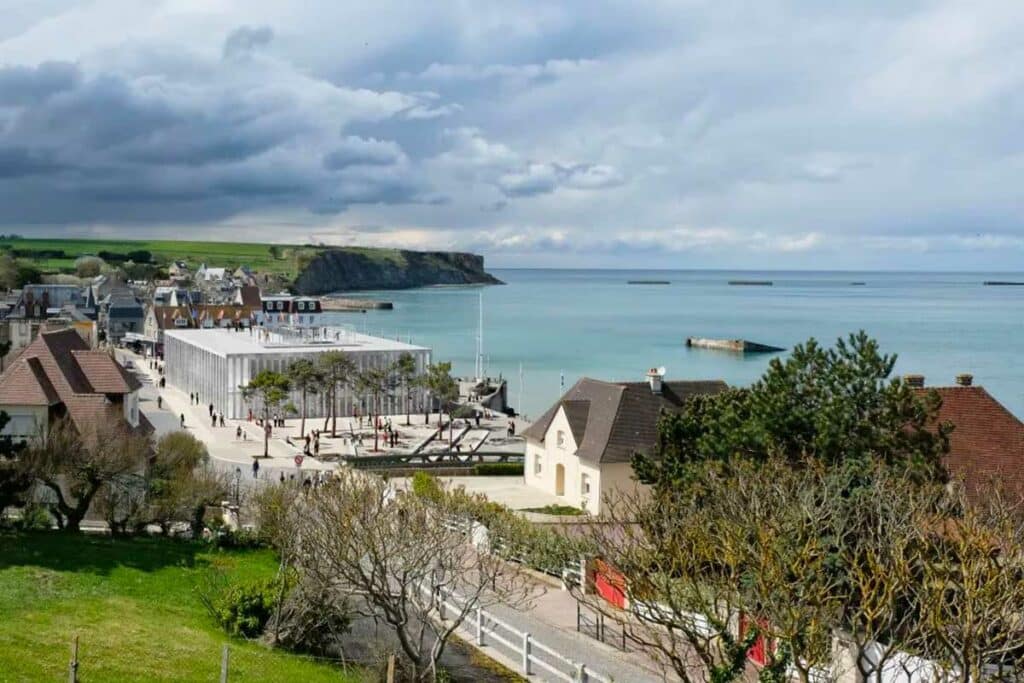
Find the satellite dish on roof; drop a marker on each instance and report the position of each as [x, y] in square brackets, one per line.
[661, 371]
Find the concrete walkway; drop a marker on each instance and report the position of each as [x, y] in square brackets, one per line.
[226, 450]
[552, 621]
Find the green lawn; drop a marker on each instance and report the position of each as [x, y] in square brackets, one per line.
[133, 605]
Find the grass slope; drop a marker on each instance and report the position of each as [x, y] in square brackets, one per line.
[133, 605]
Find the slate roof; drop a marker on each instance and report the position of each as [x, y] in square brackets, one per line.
[58, 367]
[611, 421]
[987, 440]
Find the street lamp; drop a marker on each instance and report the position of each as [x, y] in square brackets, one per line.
[238, 482]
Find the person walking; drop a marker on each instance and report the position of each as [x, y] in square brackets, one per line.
[213, 420]
[159, 402]
[183, 420]
[211, 410]
[222, 419]
[238, 432]
[282, 477]
[255, 468]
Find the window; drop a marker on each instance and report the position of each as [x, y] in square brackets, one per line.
[561, 439]
[585, 484]
[536, 464]
[279, 305]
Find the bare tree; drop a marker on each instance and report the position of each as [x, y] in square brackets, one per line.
[399, 563]
[75, 466]
[971, 588]
[682, 569]
[878, 538]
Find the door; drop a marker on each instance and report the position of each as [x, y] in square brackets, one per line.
[762, 649]
[610, 584]
[559, 480]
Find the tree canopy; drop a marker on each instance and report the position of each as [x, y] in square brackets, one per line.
[837, 406]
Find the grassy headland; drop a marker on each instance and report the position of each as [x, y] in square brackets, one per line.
[56, 255]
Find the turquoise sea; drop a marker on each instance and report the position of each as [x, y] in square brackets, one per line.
[567, 324]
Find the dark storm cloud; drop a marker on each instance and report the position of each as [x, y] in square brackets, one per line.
[21, 85]
[831, 132]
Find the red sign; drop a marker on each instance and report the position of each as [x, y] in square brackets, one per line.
[298, 461]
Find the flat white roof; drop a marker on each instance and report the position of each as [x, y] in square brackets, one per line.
[225, 342]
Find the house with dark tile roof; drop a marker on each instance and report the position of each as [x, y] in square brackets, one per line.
[987, 441]
[59, 376]
[581, 448]
[122, 313]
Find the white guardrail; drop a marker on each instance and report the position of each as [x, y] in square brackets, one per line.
[521, 646]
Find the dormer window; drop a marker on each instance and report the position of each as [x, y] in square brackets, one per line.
[560, 439]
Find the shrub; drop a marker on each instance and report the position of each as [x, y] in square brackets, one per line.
[426, 486]
[242, 609]
[238, 539]
[562, 510]
[88, 266]
[35, 517]
[498, 469]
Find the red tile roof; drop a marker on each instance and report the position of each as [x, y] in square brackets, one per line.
[26, 384]
[57, 368]
[987, 441]
[105, 375]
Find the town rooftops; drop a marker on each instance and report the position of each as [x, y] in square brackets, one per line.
[167, 317]
[224, 342]
[610, 421]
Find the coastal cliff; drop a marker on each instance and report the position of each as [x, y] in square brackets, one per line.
[350, 269]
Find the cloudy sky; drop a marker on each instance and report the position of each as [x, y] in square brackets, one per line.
[799, 134]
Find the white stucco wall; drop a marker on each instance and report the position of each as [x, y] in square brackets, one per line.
[605, 479]
[551, 455]
[617, 480]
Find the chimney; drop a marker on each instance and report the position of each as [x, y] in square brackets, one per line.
[915, 381]
[965, 379]
[654, 377]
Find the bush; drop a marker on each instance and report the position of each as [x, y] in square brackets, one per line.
[89, 266]
[426, 486]
[242, 609]
[498, 469]
[35, 517]
[240, 539]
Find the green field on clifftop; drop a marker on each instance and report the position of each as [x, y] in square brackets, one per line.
[215, 254]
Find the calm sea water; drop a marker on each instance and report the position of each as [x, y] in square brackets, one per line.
[559, 325]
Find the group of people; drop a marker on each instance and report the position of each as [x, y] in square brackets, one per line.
[312, 441]
[314, 481]
[276, 420]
